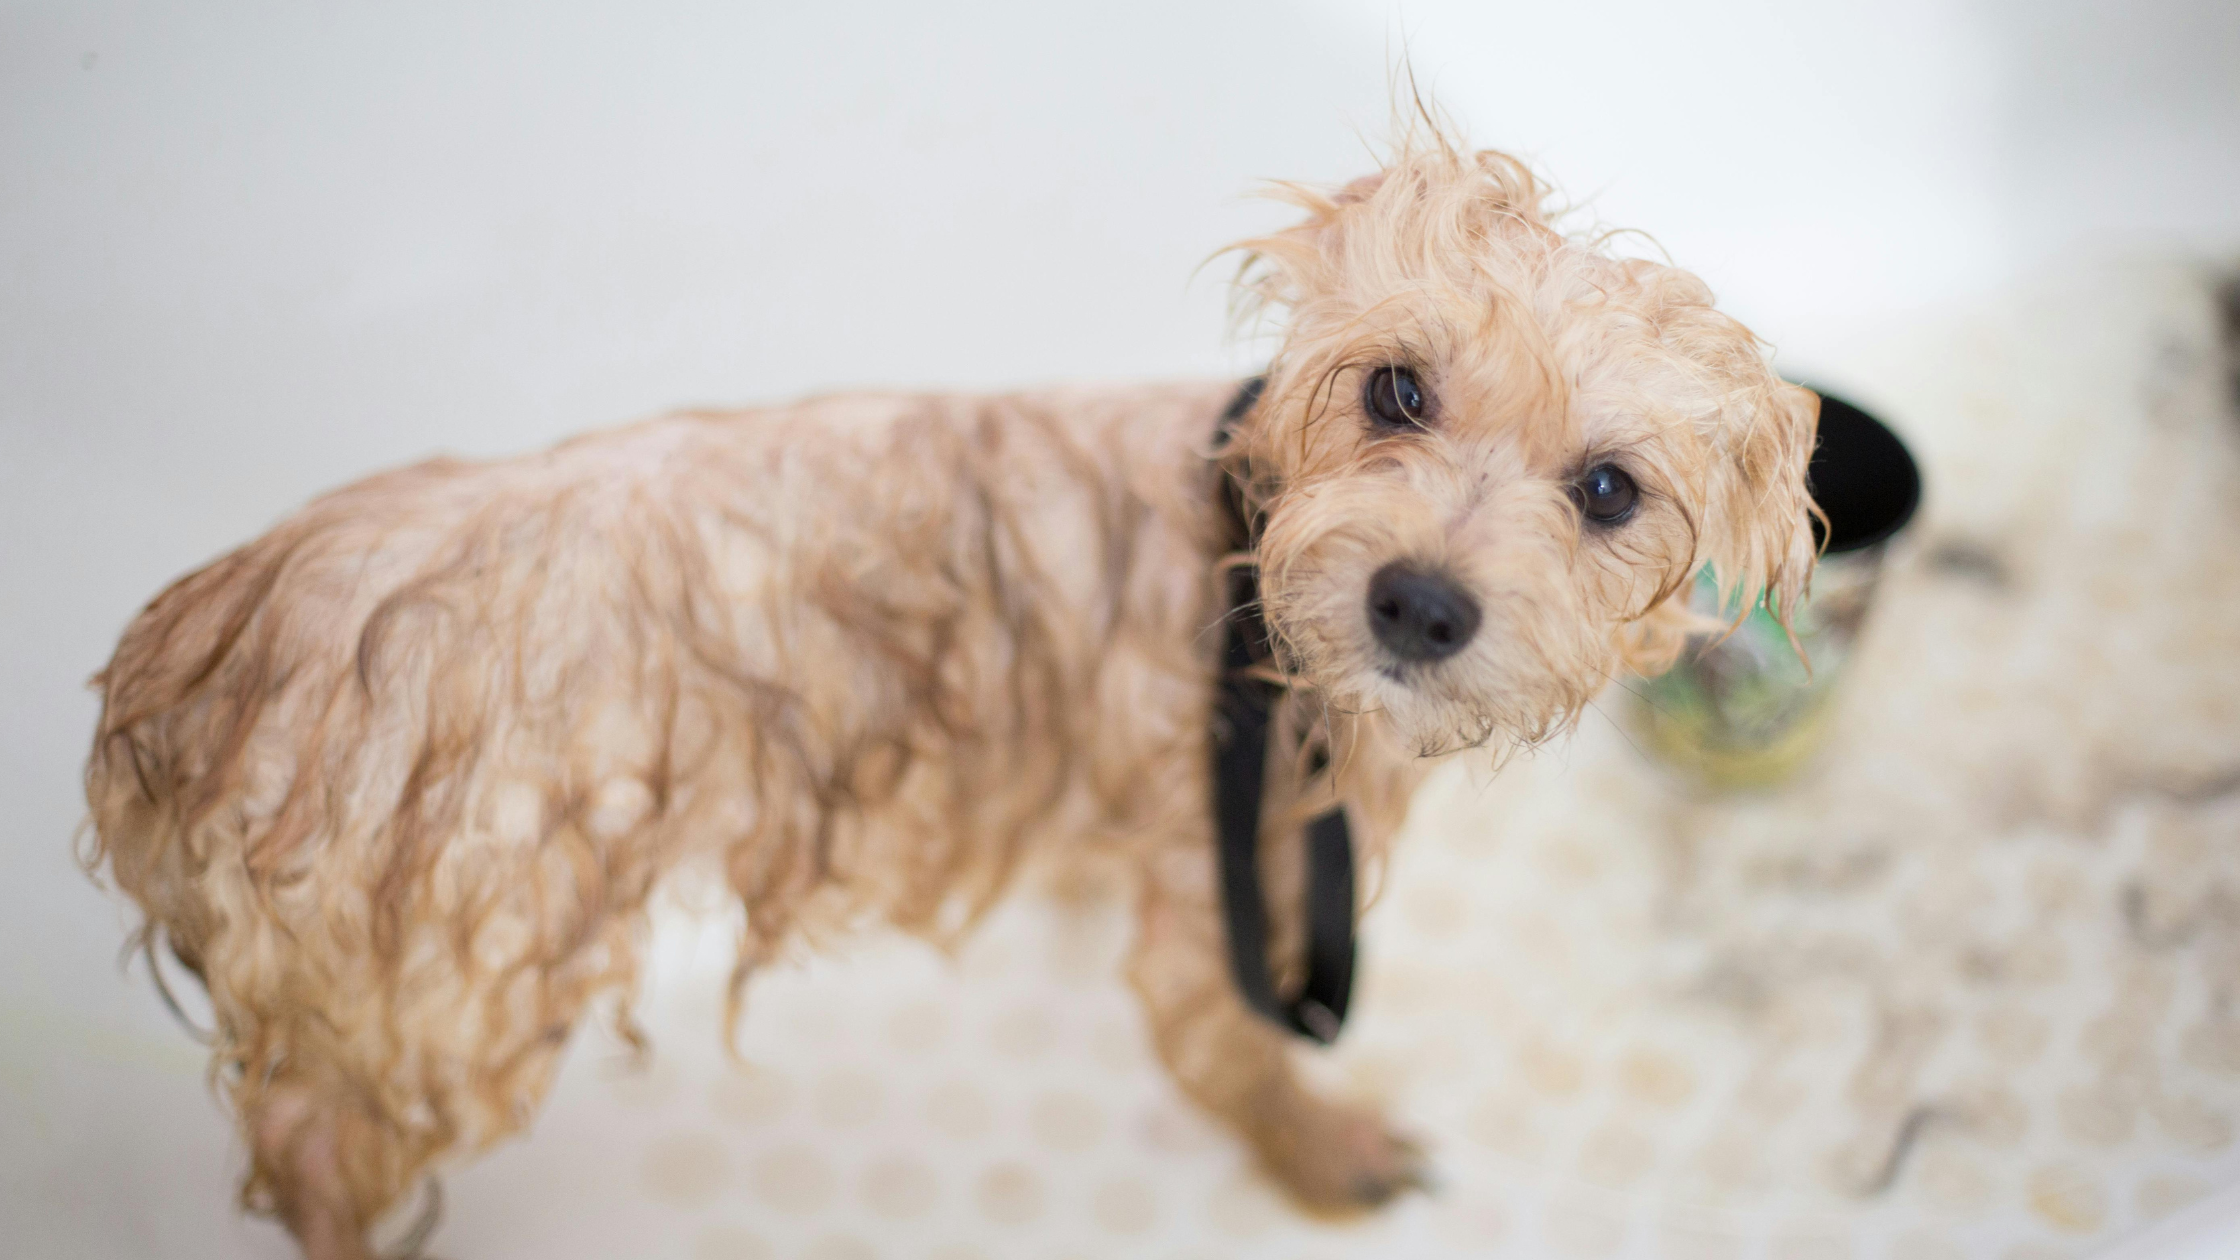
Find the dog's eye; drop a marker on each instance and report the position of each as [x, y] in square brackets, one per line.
[1606, 495]
[1395, 398]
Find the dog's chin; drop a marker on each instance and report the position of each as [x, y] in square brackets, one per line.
[1435, 711]
[1480, 698]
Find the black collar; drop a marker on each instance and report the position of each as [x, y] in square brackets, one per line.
[1243, 708]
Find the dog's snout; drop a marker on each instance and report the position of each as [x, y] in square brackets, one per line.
[1420, 616]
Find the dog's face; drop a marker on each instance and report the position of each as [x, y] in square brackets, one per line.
[1490, 458]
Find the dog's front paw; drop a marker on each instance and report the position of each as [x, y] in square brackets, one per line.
[1338, 1160]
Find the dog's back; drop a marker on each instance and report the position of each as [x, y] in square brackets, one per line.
[397, 778]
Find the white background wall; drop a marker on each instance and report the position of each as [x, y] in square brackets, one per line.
[250, 251]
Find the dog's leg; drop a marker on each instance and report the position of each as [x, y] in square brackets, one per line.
[303, 1141]
[1333, 1157]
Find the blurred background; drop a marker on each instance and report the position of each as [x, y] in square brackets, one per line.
[1966, 987]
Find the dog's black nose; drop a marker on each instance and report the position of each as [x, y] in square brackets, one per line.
[1420, 616]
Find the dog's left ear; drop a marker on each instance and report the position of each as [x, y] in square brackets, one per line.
[1761, 540]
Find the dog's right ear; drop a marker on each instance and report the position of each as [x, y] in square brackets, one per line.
[1276, 270]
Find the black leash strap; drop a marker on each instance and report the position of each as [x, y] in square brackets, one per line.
[1245, 704]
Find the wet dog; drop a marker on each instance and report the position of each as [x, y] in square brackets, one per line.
[396, 779]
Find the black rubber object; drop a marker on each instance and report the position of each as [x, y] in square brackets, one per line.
[1862, 476]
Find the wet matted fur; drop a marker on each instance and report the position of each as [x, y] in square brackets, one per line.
[397, 779]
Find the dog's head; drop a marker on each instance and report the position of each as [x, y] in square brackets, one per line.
[1490, 457]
